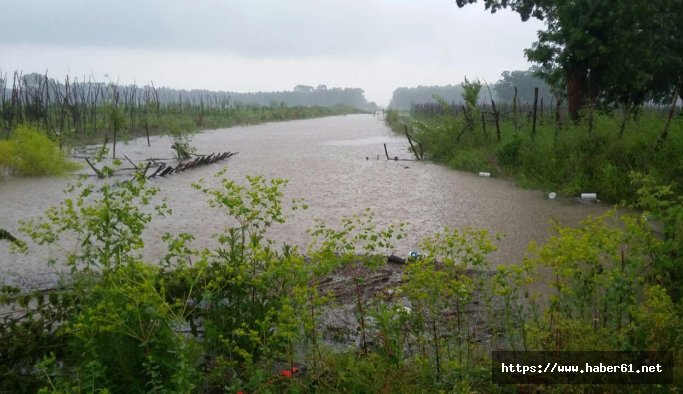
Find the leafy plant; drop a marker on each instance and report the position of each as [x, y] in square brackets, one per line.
[30, 152]
[107, 222]
[181, 140]
[470, 92]
[111, 321]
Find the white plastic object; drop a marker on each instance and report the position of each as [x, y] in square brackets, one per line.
[589, 196]
[552, 195]
[484, 174]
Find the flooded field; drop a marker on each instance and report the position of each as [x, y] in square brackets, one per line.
[337, 165]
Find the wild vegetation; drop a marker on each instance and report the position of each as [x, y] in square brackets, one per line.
[540, 148]
[30, 152]
[246, 315]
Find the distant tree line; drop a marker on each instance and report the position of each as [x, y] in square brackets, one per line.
[503, 90]
[81, 111]
[403, 98]
[299, 96]
[57, 105]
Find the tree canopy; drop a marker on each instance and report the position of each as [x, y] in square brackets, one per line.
[525, 82]
[405, 97]
[504, 89]
[622, 52]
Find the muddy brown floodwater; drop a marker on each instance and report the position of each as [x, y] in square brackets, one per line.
[325, 163]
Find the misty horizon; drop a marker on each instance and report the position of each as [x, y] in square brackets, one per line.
[263, 45]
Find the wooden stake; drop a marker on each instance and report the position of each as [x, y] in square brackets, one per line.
[533, 126]
[417, 156]
[665, 132]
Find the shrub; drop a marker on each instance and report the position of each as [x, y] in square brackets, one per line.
[30, 152]
[8, 156]
[508, 154]
[181, 139]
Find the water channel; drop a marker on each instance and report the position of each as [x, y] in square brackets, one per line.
[337, 165]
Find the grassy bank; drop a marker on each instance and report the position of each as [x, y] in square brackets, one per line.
[196, 119]
[597, 154]
[244, 316]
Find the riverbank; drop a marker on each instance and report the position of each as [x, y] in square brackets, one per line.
[192, 120]
[31, 150]
[596, 155]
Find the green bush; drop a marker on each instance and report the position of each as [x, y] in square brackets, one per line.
[30, 152]
[8, 156]
[509, 154]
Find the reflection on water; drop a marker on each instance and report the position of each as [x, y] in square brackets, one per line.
[337, 165]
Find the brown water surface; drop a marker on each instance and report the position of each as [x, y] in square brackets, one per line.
[325, 163]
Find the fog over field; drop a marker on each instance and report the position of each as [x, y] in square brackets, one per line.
[264, 45]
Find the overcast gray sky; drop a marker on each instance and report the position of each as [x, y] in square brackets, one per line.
[264, 45]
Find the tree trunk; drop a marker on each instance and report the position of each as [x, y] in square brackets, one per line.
[576, 91]
[665, 131]
[583, 87]
[533, 126]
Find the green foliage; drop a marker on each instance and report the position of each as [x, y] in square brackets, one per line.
[392, 119]
[126, 326]
[440, 287]
[661, 203]
[29, 331]
[358, 236]
[111, 326]
[247, 286]
[592, 288]
[525, 82]
[8, 156]
[246, 315]
[181, 139]
[594, 280]
[115, 117]
[108, 222]
[404, 98]
[582, 39]
[30, 152]
[564, 158]
[470, 92]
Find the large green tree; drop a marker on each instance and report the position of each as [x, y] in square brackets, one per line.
[615, 51]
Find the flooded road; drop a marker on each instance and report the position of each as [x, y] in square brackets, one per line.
[337, 165]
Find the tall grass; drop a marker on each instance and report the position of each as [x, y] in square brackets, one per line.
[567, 157]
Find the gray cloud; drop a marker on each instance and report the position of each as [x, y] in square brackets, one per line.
[377, 45]
[254, 28]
